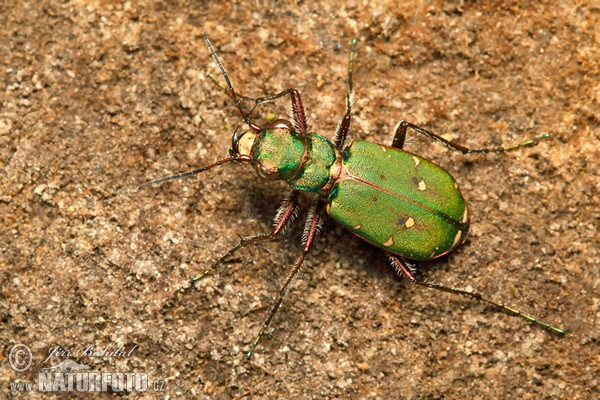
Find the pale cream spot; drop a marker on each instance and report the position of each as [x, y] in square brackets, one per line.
[383, 148]
[455, 185]
[389, 242]
[457, 238]
[465, 216]
[417, 161]
[422, 185]
[410, 223]
[357, 227]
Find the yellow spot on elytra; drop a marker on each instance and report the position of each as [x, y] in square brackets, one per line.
[410, 223]
[422, 185]
[465, 216]
[357, 227]
[389, 242]
[455, 185]
[417, 161]
[457, 238]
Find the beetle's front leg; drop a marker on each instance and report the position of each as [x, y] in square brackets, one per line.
[298, 113]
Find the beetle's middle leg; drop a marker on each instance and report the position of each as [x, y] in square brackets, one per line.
[400, 136]
[341, 133]
[312, 228]
[285, 215]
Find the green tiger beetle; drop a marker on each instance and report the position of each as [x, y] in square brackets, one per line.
[393, 199]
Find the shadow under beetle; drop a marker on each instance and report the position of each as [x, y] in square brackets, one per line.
[393, 199]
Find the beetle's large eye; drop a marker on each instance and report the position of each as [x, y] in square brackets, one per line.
[280, 124]
[266, 173]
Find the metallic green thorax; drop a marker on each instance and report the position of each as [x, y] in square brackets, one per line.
[316, 172]
[393, 199]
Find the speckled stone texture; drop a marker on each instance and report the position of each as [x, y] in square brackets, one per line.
[98, 97]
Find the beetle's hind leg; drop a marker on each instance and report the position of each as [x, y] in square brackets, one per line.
[402, 268]
[312, 228]
[400, 136]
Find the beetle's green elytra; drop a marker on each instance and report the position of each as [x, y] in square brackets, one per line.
[414, 209]
[396, 200]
